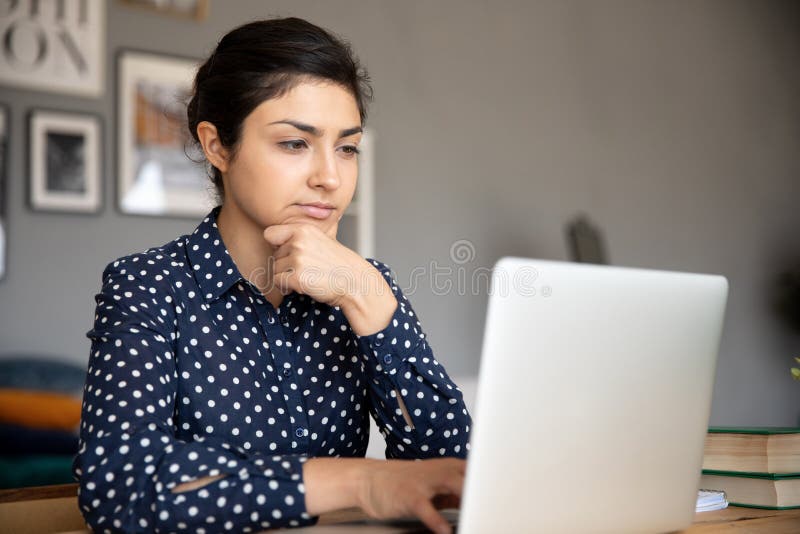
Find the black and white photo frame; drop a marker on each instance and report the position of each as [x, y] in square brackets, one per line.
[64, 161]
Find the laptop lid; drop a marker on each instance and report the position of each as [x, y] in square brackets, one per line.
[593, 398]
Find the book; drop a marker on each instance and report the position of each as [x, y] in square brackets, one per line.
[710, 500]
[753, 450]
[755, 490]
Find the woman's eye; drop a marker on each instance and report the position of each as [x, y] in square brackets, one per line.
[351, 150]
[295, 145]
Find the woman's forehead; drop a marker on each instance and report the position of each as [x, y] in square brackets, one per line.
[321, 104]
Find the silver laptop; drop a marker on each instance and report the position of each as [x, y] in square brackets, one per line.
[593, 401]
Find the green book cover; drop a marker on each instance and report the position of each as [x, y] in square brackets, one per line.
[767, 476]
[742, 505]
[764, 476]
[754, 430]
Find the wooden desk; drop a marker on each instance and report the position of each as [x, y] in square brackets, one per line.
[55, 509]
[41, 509]
[732, 519]
[746, 520]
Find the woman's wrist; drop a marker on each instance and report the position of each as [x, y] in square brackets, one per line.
[370, 308]
[335, 483]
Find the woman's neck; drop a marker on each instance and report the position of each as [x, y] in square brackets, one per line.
[251, 253]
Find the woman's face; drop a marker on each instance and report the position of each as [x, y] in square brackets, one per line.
[298, 149]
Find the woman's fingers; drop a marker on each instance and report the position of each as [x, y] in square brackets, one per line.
[280, 265]
[398, 488]
[447, 494]
[278, 234]
[454, 482]
[283, 282]
[425, 511]
[440, 502]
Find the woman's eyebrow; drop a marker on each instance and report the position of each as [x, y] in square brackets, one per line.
[316, 132]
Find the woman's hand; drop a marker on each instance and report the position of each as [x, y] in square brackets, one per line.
[386, 489]
[314, 263]
[409, 488]
[311, 262]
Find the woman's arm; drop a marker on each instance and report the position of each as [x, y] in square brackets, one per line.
[132, 469]
[381, 488]
[419, 409]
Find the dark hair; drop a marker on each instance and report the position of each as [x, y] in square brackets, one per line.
[262, 60]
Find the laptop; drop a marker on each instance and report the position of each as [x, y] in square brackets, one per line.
[593, 400]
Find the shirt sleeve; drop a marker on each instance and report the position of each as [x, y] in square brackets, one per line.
[129, 458]
[419, 410]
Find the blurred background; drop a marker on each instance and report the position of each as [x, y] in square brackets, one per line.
[673, 127]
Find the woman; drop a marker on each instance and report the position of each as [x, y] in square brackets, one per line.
[233, 371]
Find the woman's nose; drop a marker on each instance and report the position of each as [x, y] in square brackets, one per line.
[326, 173]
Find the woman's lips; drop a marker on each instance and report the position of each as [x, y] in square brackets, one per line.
[315, 211]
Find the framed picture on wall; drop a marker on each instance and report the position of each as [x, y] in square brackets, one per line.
[192, 9]
[4, 119]
[160, 171]
[64, 166]
[54, 46]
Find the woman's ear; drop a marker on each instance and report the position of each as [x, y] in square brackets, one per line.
[216, 154]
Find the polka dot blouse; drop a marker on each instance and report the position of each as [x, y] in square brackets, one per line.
[193, 373]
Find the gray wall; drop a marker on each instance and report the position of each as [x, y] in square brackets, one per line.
[675, 125]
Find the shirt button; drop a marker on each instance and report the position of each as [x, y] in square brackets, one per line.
[300, 432]
[378, 342]
[387, 359]
[271, 319]
[287, 372]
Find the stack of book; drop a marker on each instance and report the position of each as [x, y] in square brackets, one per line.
[755, 467]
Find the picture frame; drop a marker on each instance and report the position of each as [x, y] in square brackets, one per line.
[55, 47]
[4, 135]
[160, 170]
[64, 161]
[190, 9]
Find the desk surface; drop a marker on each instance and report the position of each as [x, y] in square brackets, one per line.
[738, 519]
[55, 509]
[732, 519]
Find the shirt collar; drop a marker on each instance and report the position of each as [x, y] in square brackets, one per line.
[208, 255]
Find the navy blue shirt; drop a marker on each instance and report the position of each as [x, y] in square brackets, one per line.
[193, 373]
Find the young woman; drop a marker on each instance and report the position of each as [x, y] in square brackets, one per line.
[233, 371]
